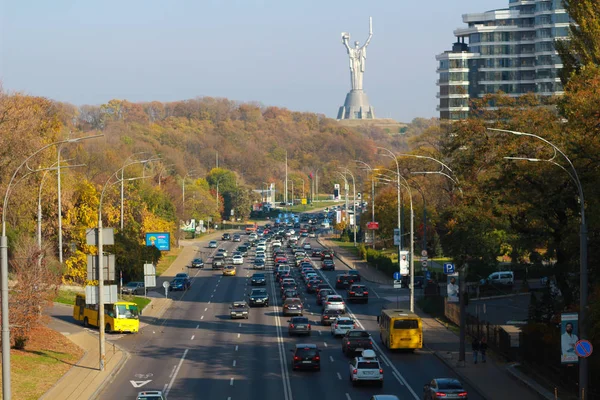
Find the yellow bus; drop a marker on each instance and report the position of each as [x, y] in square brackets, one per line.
[400, 329]
[122, 316]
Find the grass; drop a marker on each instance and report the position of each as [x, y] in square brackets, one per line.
[142, 302]
[48, 355]
[166, 261]
[66, 297]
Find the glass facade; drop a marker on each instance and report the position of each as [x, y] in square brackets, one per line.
[510, 50]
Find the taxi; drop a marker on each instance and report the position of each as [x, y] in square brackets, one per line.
[229, 270]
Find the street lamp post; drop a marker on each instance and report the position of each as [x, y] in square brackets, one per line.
[6, 383]
[346, 188]
[291, 180]
[346, 170]
[371, 171]
[583, 251]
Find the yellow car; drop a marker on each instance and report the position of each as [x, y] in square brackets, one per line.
[229, 270]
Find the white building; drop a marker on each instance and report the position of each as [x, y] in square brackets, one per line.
[509, 50]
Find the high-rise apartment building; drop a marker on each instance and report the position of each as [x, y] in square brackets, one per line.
[509, 50]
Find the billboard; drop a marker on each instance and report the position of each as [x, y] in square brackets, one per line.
[452, 289]
[162, 240]
[404, 263]
[336, 191]
[569, 329]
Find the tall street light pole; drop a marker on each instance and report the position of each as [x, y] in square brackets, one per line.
[346, 188]
[286, 181]
[371, 171]
[347, 171]
[6, 383]
[390, 154]
[291, 180]
[583, 250]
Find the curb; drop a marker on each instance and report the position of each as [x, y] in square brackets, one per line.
[532, 385]
[44, 396]
[111, 376]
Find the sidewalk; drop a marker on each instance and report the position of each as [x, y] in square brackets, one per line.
[494, 380]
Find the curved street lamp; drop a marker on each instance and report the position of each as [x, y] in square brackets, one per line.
[583, 239]
[6, 386]
[371, 171]
[347, 171]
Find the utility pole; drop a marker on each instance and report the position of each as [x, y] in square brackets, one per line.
[286, 179]
[60, 241]
[217, 157]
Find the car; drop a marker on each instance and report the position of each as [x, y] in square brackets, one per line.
[306, 246]
[288, 293]
[326, 254]
[356, 340]
[334, 302]
[133, 288]
[311, 285]
[226, 236]
[316, 253]
[293, 306]
[258, 297]
[306, 356]
[329, 316]
[218, 262]
[258, 280]
[366, 368]
[321, 286]
[312, 235]
[384, 397]
[222, 252]
[182, 275]
[237, 259]
[259, 263]
[197, 263]
[357, 292]
[237, 238]
[239, 309]
[288, 285]
[150, 395]
[343, 281]
[243, 250]
[444, 388]
[179, 284]
[327, 265]
[304, 234]
[212, 244]
[355, 274]
[342, 325]
[229, 270]
[323, 293]
[299, 326]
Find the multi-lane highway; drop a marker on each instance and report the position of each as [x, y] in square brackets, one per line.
[197, 352]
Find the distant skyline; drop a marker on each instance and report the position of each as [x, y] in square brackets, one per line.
[277, 53]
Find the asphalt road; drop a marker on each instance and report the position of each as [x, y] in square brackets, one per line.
[196, 352]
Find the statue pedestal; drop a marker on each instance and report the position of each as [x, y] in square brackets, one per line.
[356, 106]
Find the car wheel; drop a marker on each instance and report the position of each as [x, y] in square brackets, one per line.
[107, 328]
[86, 323]
[247, 316]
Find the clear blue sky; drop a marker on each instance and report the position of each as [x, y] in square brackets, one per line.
[276, 52]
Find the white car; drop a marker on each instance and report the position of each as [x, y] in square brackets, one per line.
[366, 369]
[306, 246]
[312, 235]
[237, 259]
[334, 302]
[261, 247]
[222, 252]
[342, 325]
[276, 243]
[212, 244]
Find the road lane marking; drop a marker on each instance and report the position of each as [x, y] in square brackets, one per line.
[234, 363]
[202, 317]
[236, 348]
[331, 358]
[348, 396]
[193, 336]
[240, 325]
[325, 343]
[385, 362]
[231, 382]
[238, 335]
[376, 294]
[320, 333]
[209, 302]
[339, 376]
[197, 326]
[211, 296]
[176, 372]
[397, 377]
[206, 309]
[172, 371]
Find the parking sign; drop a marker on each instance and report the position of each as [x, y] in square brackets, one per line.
[448, 268]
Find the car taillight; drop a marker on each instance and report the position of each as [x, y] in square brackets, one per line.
[316, 358]
[355, 326]
[370, 342]
[339, 281]
[336, 325]
[291, 325]
[296, 358]
[462, 394]
[440, 394]
[308, 326]
[351, 293]
[380, 371]
[348, 343]
[354, 371]
[328, 302]
[365, 292]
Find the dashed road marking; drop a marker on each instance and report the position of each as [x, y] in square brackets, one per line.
[238, 335]
[206, 309]
[339, 376]
[236, 348]
[325, 343]
[197, 326]
[234, 362]
[193, 336]
[348, 396]
[397, 377]
[231, 382]
[202, 317]
[331, 358]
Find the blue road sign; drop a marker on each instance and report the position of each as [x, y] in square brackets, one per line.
[583, 348]
[428, 275]
[397, 275]
[448, 268]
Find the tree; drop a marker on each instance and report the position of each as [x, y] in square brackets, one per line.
[583, 45]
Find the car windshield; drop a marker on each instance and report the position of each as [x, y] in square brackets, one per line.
[293, 301]
[150, 397]
[345, 321]
[301, 320]
[306, 352]
[333, 312]
[449, 385]
[127, 311]
[406, 324]
[368, 365]
[258, 292]
[239, 305]
[178, 280]
[259, 276]
[132, 284]
[358, 334]
[334, 298]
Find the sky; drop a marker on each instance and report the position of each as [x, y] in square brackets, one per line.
[280, 53]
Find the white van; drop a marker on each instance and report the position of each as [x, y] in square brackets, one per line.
[501, 278]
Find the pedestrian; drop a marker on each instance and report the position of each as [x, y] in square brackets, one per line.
[475, 348]
[483, 348]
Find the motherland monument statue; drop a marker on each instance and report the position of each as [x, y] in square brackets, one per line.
[357, 105]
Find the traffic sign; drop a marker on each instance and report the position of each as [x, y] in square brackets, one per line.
[424, 263]
[584, 348]
[449, 268]
[424, 258]
[396, 276]
[397, 284]
[424, 253]
[428, 277]
[373, 225]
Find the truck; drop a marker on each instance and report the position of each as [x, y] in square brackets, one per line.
[218, 262]
[356, 340]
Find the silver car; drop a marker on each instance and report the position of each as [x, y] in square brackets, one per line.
[334, 302]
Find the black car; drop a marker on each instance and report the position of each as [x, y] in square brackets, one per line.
[237, 238]
[197, 263]
[306, 356]
[258, 280]
[179, 284]
[329, 316]
[299, 326]
[226, 236]
[343, 281]
[321, 286]
[357, 292]
[259, 297]
[328, 265]
[355, 274]
[289, 293]
[444, 388]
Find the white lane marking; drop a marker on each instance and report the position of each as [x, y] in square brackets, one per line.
[240, 325]
[348, 396]
[234, 362]
[339, 376]
[236, 348]
[331, 358]
[238, 335]
[176, 372]
[231, 382]
[320, 333]
[325, 343]
[209, 302]
[202, 317]
[376, 294]
[397, 377]
[197, 326]
[193, 336]
[215, 291]
[165, 388]
[385, 362]
[229, 398]
[172, 371]
[375, 345]
[211, 296]
[206, 309]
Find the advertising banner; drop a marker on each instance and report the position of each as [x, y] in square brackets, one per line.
[569, 330]
[452, 288]
[404, 263]
[162, 240]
